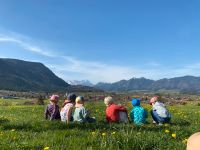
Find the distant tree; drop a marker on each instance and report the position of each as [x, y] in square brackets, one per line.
[40, 100]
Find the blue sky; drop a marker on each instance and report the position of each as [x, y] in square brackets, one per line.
[105, 40]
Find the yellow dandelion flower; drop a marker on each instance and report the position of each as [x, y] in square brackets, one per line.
[113, 133]
[185, 141]
[174, 135]
[13, 130]
[46, 148]
[103, 134]
[166, 125]
[93, 133]
[167, 131]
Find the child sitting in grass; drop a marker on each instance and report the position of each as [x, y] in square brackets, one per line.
[115, 113]
[52, 110]
[138, 114]
[81, 114]
[159, 112]
[67, 107]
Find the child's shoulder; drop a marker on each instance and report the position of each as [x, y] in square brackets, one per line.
[49, 105]
[80, 108]
[139, 108]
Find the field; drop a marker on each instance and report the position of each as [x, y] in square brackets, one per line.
[24, 127]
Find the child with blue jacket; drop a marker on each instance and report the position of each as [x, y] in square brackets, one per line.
[138, 114]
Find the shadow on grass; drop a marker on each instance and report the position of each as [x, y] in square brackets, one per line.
[4, 120]
[56, 125]
[181, 122]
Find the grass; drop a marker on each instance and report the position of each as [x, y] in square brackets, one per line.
[23, 127]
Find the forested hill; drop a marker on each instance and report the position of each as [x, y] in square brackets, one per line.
[21, 75]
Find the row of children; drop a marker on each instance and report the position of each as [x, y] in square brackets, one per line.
[114, 112]
[138, 115]
[66, 114]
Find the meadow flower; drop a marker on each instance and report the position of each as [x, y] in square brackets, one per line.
[174, 135]
[166, 125]
[103, 134]
[13, 130]
[46, 148]
[185, 141]
[167, 131]
[113, 133]
[93, 133]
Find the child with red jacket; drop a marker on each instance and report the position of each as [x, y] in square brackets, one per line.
[115, 113]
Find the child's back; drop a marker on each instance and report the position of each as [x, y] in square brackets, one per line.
[80, 114]
[138, 114]
[113, 112]
[52, 110]
[161, 109]
[64, 112]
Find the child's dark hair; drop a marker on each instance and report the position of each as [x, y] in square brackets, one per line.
[70, 99]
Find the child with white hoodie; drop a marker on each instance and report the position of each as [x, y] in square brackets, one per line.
[159, 112]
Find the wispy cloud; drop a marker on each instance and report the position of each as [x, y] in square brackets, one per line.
[97, 71]
[153, 64]
[25, 45]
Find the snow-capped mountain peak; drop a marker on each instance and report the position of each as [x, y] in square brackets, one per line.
[81, 82]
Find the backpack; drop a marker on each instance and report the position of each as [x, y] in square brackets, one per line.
[123, 117]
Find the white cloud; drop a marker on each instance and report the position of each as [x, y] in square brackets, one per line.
[97, 71]
[25, 45]
[153, 64]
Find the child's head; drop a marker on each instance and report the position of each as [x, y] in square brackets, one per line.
[135, 102]
[193, 142]
[153, 100]
[108, 101]
[54, 99]
[71, 97]
[79, 101]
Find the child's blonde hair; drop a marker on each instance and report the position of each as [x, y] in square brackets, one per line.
[80, 100]
[108, 100]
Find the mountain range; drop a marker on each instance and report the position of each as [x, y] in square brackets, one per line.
[19, 75]
[180, 84]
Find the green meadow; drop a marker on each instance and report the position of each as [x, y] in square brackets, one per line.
[24, 127]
